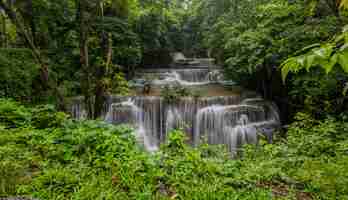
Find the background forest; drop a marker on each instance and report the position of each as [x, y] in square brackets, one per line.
[292, 52]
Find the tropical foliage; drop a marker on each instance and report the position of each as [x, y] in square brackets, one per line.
[292, 52]
[81, 46]
[252, 40]
[46, 155]
[174, 93]
[326, 55]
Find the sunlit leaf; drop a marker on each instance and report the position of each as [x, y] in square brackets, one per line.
[330, 64]
[324, 51]
[289, 65]
[305, 49]
[344, 4]
[344, 47]
[345, 89]
[301, 60]
[343, 60]
[309, 61]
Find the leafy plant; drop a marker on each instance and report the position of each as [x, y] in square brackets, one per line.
[326, 55]
[172, 94]
[18, 73]
[119, 84]
[12, 114]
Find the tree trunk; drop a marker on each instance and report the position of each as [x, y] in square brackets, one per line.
[44, 74]
[102, 71]
[4, 34]
[31, 21]
[36, 53]
[84, 58]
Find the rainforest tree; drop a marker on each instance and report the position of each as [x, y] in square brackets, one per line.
[81, 46]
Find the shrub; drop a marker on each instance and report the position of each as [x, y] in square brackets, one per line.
[14, 115]
[173, 94]
[18, 71]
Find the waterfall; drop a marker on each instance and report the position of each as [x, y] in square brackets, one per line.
[232, 120]
[184, 76]
[232, 125]
[143, 119]
[220, 120]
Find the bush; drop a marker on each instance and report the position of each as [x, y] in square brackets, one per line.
[173, 94]
[14, 115]
[18, 72]
[313, 157]
[318, 93]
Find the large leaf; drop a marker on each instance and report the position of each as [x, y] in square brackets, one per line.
[324, 51]
[330, 64]
[343, 60]
[309, 61]
[289, 65]
[305, 49]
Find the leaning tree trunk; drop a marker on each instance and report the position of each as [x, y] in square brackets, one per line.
[41, 60]
[36, 53]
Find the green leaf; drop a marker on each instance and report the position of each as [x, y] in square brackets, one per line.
[344, 4]
[68, 154]
[301, 60]
[339, 38]
[289, 65]
[324, 51]
[345, 89]
[285, 72]
[343, 60]
[330, 64]
[305, 49]
[309, 61]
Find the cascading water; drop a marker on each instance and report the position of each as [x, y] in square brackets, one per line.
[233, 119]
[128, 112]
[184, 76]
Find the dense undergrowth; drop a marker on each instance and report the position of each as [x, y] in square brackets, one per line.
[46, 155]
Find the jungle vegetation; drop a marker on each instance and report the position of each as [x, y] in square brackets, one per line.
[293, 52]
